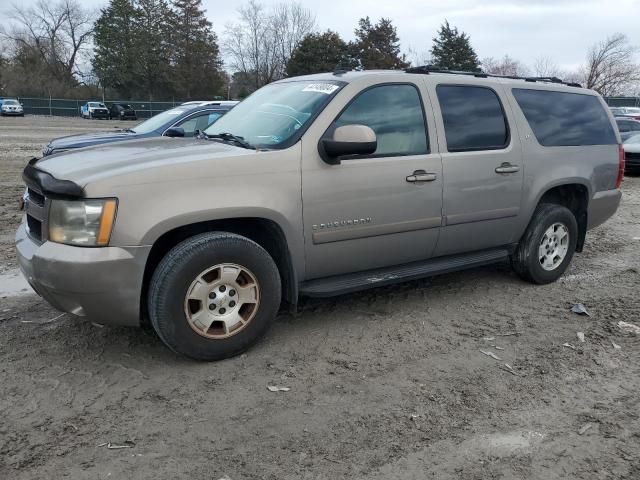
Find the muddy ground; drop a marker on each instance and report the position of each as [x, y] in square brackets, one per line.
[387, 384]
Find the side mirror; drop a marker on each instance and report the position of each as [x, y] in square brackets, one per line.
[348, 140]
[174, 132]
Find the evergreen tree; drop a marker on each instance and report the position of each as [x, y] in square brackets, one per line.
[196, 64]
[378, 46]
[153, 48]
[319, 52]
[114, 60]
[452, 49]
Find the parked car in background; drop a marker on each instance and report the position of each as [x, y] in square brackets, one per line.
[629, 112]
[94, 110]
[627, 127]
[11, 106]
[632, 154]
[182, 121]
[122, 111]
[320, 185]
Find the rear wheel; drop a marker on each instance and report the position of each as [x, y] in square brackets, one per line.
[548, 245]
[214, 295]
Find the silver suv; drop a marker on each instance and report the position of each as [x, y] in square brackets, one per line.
[319, 186]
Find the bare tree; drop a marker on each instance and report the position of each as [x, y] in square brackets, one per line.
[546, 67]
[611, 66]
[290, 23]
[261, 43]
[57, 33]
[505, 66]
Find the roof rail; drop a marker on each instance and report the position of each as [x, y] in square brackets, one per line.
[427, 69]
[342, 69]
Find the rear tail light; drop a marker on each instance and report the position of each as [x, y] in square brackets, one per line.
[620, 166]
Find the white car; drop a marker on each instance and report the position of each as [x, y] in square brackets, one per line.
[632, 154]
[94, 110]
[11, 107]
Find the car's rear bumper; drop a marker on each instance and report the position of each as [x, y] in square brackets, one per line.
[101, 284]
[602, 206]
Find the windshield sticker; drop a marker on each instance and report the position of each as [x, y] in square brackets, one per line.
[325, 88]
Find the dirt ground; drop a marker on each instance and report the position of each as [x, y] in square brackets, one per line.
[386, 384]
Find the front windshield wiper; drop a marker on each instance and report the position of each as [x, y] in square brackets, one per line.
[230, 137]
[126, 130]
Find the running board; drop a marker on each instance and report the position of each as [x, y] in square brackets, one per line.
[353, 282]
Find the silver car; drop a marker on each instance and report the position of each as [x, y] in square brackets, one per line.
[11, 107]
[319, 186]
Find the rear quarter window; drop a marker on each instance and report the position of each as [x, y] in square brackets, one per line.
[563, 119]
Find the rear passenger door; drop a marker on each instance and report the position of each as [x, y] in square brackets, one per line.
[482, 167]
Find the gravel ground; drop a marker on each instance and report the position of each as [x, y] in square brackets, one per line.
[389, 383]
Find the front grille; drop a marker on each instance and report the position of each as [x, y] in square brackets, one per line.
[35, 197]
[35, 228]
[35, 205]
[632, 155]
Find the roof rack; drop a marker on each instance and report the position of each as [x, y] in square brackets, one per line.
[427, 69]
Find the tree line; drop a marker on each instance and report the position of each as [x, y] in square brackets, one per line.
[164, 49]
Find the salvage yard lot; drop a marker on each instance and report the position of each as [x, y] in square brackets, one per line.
[389, 383]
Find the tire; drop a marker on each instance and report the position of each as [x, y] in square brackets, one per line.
[175, 318]
[527, 260]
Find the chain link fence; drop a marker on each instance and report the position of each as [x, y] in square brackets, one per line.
[71, 108]
[623, 101]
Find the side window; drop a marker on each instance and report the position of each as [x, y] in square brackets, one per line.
[395, 113]
[635, 126]
[213, 116]
[191, 124]
[473, 118]
[562, 119]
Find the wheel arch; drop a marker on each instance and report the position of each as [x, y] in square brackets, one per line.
[265, 232]
[573, 194]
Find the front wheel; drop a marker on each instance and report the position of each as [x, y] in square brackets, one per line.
[214, 295]
[546, 249]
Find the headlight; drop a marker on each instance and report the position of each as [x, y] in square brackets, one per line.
[86, 223]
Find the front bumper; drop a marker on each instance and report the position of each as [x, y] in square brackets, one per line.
[632, 161]
[13, 112]
[101, 284]
[99, 113]
[602, 206]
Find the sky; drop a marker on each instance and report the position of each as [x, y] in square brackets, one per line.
[562, 30]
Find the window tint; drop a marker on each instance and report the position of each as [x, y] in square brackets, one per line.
[560, 119]
[395, 113]
[473, 118]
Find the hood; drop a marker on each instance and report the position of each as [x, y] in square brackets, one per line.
[88, 139]
[85, 165]
[632, 147]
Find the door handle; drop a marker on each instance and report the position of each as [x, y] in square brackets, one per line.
[506, 167]
[421, 176]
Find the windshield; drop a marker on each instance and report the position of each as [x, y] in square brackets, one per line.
[157, 121]
[10, 102]
[96, 105]
[276, 113]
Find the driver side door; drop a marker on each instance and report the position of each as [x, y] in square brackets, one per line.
[369, 211]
